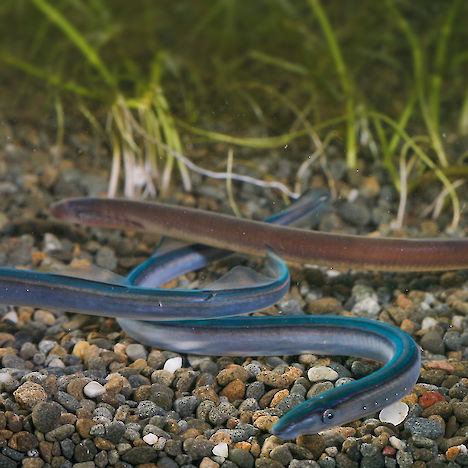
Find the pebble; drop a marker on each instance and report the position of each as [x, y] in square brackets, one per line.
[93, 389]
[319, 373]
[136, 351]
[221, 450]
[29, 394]
[424, 427]
[394, 413]
[46, 415]
[172, 364]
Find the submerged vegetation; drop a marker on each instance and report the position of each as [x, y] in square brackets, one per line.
[382, 80]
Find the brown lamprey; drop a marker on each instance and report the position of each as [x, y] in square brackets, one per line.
[252, 237]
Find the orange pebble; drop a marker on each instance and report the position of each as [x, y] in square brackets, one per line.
[452, 453]
[429, 398]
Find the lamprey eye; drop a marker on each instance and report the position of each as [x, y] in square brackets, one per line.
[328, 415]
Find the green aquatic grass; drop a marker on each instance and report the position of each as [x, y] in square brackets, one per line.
[361, 77]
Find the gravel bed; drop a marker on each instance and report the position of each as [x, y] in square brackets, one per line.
[75, 391]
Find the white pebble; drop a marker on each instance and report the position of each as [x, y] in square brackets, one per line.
[331, 451]
[150, 438]
[93, 389]
[318, 373]
[397, 443]
[11, 317]
[457, 321]
[56, 362]
[221, 450]
[463, 449]
[367, 307]
[428, 322]
[395, 413]
[172, 364]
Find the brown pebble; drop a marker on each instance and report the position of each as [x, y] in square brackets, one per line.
[265, 400]
[114, 384]
[23, 441]
[243, 445]
[208, 463]
[279, 380]
[234, 390]
[103, 444]
[6, 339]
[231, 373]
[83, 426]
[29, 394]
[80, 348]
[75, 388]
[33, 462]
[452, 453]
[325, 305]
[220, 436]
[206, 392]
[45, 449]
[265, 422]
[315, 443]
[278, 397]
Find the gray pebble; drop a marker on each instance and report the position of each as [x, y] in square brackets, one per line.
[67, 447]
[425, 427]
[343, 381]
[222, 413]
[67, 401]
[281, 454]
[253, 368]
[432, 341]
[289, 402]
[404, 459]
[452, 340]
[241, 458]
[105, 258]
[198, 448]
[60, 433]
[310, 464]
[45, 346]
[12, 361]
[136, 351]
[162, 396]
[137, 455]
[45, 415]
[371, 457]
[148, 409]
[166, 462]
[255, 390]
[249, 404]
[186, 405]
[101, 459]
[114, 431]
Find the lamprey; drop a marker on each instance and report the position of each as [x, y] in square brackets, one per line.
[258, 336]
[252, 237]
[151, 315]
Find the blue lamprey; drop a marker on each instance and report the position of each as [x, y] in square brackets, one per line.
[238, 292]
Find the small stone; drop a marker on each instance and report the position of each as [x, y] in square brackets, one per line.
[93, 389]
[198, 448]
[429, 398]
[136, 351]
[46, 415]
[234, 390]
[279, 380]
[172, 364]
[233, 372]
[150, 438]
[221, 450]
[424, 427]
[394, 413]
[319, 373]
[29, 394]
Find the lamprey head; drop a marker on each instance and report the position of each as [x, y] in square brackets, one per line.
[315, 415]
